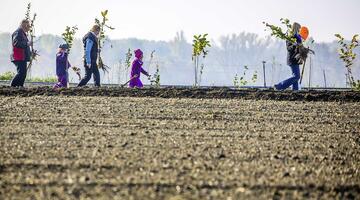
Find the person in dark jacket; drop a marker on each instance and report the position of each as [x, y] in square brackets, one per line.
[62, 66]
[292, 61]
[21, 53]
[91, 48]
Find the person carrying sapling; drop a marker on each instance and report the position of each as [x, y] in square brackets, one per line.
[136, 70]
[293, 60]
[62, 66]
[91, 48]
[20, 53]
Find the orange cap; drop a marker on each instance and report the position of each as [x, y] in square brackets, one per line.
[304, 32]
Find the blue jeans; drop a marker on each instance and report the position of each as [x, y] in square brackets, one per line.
[294, 80]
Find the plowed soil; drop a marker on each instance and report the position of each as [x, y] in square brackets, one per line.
[113, 143]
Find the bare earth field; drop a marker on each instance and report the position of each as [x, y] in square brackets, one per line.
[137, 145]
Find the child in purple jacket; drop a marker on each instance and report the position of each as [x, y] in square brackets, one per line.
[62, 66]
[136, 69]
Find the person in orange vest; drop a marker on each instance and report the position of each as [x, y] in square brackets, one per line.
[292, 61]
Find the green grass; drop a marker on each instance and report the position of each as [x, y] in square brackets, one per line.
[47, 79]
[8, 76]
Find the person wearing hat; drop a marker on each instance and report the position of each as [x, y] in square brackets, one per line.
[20, 53]
[292, 61]
[91, 48]
[62, 66]
[136, 70]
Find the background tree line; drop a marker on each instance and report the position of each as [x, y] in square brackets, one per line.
[227, 57]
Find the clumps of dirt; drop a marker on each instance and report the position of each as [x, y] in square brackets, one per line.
[196, 93]
[73, 147]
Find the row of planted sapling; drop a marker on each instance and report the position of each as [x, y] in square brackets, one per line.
[200, 50]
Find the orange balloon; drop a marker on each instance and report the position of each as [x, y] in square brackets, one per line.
[304, 32]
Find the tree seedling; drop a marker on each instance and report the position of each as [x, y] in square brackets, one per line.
[281, 34]
[241, 81]
[200, 45]
[102, 37]
[347, 55]
[69, 36]
[154, 79]
[31, 19]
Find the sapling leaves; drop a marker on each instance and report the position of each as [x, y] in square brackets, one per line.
[200, 45]
[279, 33]
[241, 81]
[69, 36]
[102, 38]
[346, 53]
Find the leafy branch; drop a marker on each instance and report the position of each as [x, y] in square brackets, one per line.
[128, 58]
[68, 36]
[280, 33]
[102, 37]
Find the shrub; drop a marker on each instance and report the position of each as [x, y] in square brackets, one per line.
[7, 76]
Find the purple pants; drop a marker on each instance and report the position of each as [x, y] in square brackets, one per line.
[136, 82]
[62, 82]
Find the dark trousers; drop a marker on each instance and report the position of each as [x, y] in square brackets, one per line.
[19, 78]
[88, 72]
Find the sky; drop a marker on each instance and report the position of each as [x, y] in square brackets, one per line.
[161, 19]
